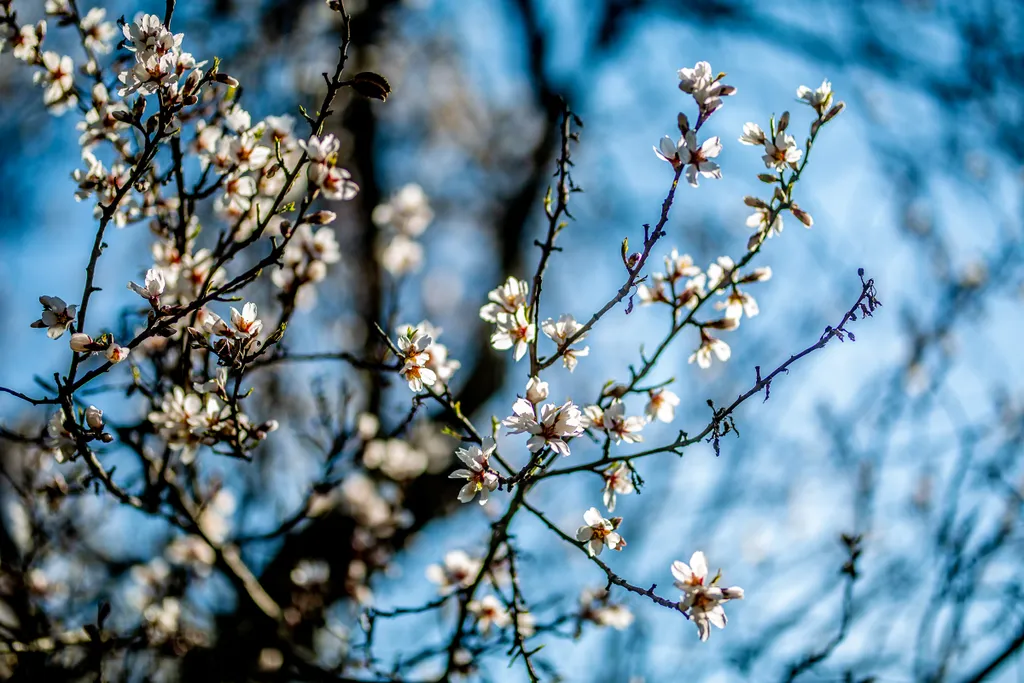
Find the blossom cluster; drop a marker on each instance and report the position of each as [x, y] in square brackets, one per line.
[424, 360]
[194, 368]
[684, 286]
[402, 219]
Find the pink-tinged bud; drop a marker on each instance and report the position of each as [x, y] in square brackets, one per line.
[226, 80]
[116, 353]
[801, 215]
[732, 593]
[727, 90]
[684, 123]
[322, 218]
[755, 203]
[780, 194]
[767, 178]
[94, 418]
[755, 241]
[783, 122]
[82, 343]
[757, 275]
[834, 112]
[633, 259]
[723, 324]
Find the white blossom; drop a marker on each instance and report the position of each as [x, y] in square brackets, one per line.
[759, 221]
[154, 287]
[334, 182]
[596, 608]
[525, 624]
[402, 255]
[58, 439]
[710, 345]
[480, 477]
[193, 552]
[162, 620]
[752, 135]
[697, 159]
[617, 481]
[721, 272]
[619, 426]
[514, 330]
[506, 298]
[58, 78]
[702, 599]
[97, 33]
[661, 405]
[407, 211]
[781, 152]
[57, 316]
[27, 40]
[549, 425]
[560, 332]
[246, 324]
[99, 123]
[488, 612]
[413, 344]
[820, 99]
[599, 532]
[396, 458]
[116, 353]
[737, 304]
[458, 571]
[320, 150]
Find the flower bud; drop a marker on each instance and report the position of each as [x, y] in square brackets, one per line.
[684, 123]
[94, 418]
[322, 218]
[834, 112]
[723, 324]
[733, 593]
[783, 122]
[801, 215]
[767, 178]
[226, 80]
[191, 82]
[81, 342]
[372, 85]
[536, 390]
[755, 203]
[757, 275]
